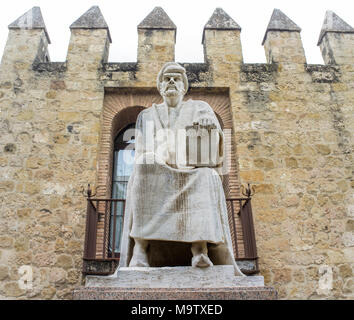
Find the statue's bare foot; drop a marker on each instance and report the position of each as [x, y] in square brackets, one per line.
[140, 258]
[201, 261]
[200, 255]
[138, 262]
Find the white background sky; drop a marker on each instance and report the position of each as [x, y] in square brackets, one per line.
[189, 16]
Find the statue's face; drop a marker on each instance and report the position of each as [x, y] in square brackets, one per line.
[172, 85]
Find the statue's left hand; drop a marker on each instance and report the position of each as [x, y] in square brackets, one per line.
[207, 123]
[204, 125]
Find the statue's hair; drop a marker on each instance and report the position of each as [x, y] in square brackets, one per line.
[172, 67]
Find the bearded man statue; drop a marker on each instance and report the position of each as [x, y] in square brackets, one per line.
[167, 199]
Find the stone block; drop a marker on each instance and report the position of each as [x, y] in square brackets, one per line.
[239, 293]
[175, 277]
[48, 293]
[4, 272]
[6, 186]
[6, 242]
[266, 164]
[23, 213]
[65, 261]
[252, 176]
[57, 275]
[57, 85]
[51, 95]
[11, 289]
[32, 188]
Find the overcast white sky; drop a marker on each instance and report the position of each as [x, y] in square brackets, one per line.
[189, 16]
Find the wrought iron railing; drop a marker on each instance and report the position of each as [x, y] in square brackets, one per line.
[99, 248]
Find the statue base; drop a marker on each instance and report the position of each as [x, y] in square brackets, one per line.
[175, 283]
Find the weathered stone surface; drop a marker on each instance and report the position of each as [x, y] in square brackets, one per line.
[50, 67]
[294, 115]
[333, 23]
[282, 275]
[11, 289]
[265, 164]
[91, 19]
[175, 277]
[48, 293]
[323, 73]
[57, 275]
[74, 276]
[348, 287]
[258, 72]
[21, 244]
[65, 261]
[44, 259]
[6, 186]
[65, 294]
[32, 19]
[4, 272]
[10, 147]
[221, 20]
[74, 246]
[6, 242]
[280, 22]
[157, 19]
[249, 293]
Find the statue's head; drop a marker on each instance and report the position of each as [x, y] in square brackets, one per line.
[172, 80]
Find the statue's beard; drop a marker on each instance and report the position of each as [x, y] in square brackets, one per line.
[172, 92]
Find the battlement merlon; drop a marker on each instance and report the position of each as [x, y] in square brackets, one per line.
[27, 42]
[156, 43]
[30, 20]
[89, 41]
[282, 41]
[336, 40]
[221, 40]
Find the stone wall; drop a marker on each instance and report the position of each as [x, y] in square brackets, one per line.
[292, 123]
[49, 132]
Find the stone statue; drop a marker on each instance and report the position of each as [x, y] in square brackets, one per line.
[168, 200]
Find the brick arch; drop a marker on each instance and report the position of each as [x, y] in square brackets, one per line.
[121, 107]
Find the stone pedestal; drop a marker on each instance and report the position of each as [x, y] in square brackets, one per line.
[175, 283]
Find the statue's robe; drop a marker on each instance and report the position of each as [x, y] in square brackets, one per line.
[168, 203]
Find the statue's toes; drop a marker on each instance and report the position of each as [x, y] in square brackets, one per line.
[195, 261]
[201, 261]
[206, 261]
[143, 264]
[139, 262]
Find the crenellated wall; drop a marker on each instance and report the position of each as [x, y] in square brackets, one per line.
[292, 125]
